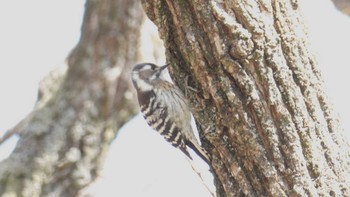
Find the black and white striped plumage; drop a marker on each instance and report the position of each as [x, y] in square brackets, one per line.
[165, 108]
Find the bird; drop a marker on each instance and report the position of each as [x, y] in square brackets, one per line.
[165, 108]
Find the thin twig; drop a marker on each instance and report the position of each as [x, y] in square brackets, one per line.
[200, 177]
[16, 129]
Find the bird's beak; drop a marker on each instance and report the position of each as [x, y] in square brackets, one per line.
[163, 67]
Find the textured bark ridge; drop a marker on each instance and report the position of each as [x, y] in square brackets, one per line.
[62, 146]
[260, 99]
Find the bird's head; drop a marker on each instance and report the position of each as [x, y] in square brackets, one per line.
[145, 75]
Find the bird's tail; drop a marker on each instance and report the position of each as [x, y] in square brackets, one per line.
[199, 150]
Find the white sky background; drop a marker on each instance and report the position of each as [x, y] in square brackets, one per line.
[37, 35]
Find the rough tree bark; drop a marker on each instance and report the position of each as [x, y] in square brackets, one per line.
[63, 143]
[260, 99]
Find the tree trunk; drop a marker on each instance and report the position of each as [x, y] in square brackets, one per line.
[259, 101]
[62, 145]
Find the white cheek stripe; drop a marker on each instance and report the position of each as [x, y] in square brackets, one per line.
[144, 86]
[141, 84]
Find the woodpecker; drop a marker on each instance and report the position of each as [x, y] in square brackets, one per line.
[165, 108]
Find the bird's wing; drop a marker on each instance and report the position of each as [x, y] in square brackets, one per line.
[156, 112]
